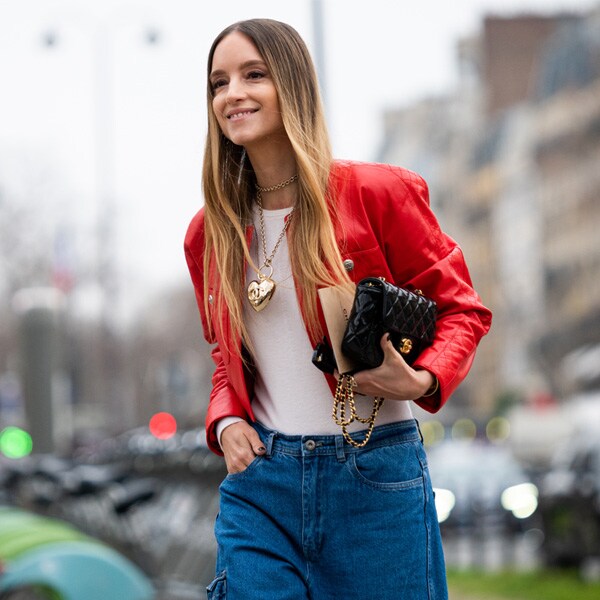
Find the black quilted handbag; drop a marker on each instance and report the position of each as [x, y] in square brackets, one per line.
[380, 307]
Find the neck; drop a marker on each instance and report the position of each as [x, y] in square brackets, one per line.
[280, 199]
[272, 165]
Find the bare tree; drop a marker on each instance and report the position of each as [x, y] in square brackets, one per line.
[169, 359]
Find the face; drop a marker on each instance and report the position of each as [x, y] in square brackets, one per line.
[245, 100]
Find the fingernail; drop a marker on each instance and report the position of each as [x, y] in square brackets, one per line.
[261, 449]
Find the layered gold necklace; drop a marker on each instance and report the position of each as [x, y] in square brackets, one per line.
[261, 290]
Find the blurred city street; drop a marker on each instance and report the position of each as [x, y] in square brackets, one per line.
[107, 488]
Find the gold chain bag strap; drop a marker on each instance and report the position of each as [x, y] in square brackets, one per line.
[344, 403]
[380, 307]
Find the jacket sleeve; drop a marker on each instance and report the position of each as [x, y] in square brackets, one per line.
[421, 256]
[223, 399]
[223, 402]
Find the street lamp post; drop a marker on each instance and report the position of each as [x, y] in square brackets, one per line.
[108, 387]
[319, 47]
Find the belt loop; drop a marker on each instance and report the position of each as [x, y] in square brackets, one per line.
[419, 430]
[339, 448]
[270, 441]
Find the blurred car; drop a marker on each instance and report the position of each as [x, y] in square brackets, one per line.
[479, 485]
[570, 503]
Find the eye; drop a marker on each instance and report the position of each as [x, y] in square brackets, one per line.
[255, 75]
[217, 83]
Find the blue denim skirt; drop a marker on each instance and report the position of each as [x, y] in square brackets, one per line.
[316, 518]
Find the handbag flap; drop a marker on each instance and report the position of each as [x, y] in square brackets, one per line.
[409, 314]
[365, 327]
[381, 307]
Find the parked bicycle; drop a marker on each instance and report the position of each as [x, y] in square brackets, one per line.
[153, 501]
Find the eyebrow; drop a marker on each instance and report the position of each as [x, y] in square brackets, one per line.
[245, 65]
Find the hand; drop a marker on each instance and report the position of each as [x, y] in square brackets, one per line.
[394, 378]
[241, 445]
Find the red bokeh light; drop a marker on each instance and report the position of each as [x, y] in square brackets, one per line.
[163, 425]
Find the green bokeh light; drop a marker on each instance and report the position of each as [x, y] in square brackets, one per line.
[433, 432]
[498, 430]
[15, 442]
[464, 429]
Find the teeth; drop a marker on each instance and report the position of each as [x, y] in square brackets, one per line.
[240, 114]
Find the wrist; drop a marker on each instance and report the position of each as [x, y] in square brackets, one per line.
[223, 423]
[428, 383]
[433, 388]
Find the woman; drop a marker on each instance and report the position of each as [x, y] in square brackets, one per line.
[303, 513]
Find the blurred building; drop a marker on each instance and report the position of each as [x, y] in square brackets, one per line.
[512, 160]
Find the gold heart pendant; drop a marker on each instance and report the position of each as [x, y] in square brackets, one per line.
[261, 293]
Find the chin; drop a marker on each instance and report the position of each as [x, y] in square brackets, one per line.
[242, 139]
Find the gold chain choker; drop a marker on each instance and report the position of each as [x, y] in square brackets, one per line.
[274, 188]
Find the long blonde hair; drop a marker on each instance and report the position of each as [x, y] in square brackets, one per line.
[229, 183]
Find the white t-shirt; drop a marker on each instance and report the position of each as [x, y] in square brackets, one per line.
[290, 394]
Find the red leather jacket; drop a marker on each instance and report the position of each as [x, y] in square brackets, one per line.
[385, 227]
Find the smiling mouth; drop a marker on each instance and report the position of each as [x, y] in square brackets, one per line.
[240, 115]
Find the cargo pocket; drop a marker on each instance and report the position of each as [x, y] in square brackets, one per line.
[217, 590]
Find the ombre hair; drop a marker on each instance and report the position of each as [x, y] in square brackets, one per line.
[229, 183]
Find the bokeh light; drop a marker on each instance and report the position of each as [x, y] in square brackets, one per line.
[433, 432]
[521, 500]
[498, 430]
[445, 500]
[15, 442]
[163, 425]
[464, 429]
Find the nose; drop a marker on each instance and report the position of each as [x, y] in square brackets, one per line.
[235, 90]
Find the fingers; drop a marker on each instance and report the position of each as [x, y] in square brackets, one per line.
[386, 344]
[256, 442]
[375, 382]
[391, 379]
[390, 352]
[241, 445]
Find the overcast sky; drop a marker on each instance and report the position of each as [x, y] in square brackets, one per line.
[151, 106]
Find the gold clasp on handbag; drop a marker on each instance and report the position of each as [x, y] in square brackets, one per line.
[406, 346]
[372, 284]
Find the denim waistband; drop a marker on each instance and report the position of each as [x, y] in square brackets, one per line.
[383, 435]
